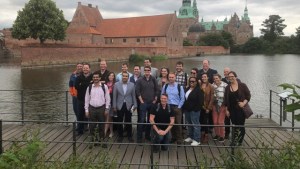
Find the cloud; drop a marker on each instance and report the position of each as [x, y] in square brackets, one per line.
[259, 10]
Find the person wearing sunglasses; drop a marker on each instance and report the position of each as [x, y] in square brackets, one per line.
[194, 99]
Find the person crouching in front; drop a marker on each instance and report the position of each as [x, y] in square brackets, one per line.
[161, 113]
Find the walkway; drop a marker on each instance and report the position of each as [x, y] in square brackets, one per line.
[59, 141]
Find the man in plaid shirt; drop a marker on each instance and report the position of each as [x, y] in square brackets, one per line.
[181, 76]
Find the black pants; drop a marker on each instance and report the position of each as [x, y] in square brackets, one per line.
[204, 120]
[227, 122]
[97, 115]
[81, 116]
[121, 113]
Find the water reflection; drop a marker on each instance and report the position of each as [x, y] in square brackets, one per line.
[261, 73]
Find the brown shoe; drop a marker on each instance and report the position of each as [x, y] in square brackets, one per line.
[205, 139]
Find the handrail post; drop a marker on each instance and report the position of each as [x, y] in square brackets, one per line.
[270, 104]
[74, 138]
[67, 107]
[293, 118]
[151, 154]
[22, 106]
[1, 145]
[283, 109]
[280, 117]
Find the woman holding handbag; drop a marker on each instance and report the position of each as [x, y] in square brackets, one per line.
[237, 95]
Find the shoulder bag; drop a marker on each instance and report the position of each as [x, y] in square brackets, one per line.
[247, 111]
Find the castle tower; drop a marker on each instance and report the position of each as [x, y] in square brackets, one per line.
[195, 11]
[187, 10]
[246, 16]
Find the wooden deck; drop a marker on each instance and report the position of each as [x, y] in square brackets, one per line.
[59, 145]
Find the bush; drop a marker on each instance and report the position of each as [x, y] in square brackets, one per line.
[30, 156]
[159, 57]
[136, 58]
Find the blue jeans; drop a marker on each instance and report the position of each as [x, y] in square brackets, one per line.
[193, 131]
[158, 139]
[144, 112]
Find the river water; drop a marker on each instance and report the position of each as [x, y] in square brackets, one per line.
[260, 72]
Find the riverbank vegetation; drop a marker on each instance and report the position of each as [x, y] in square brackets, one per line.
[136, 58]
[272, 40]
[31, 154]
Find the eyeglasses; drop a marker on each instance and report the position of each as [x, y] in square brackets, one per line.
[146, 70]
[193, 72]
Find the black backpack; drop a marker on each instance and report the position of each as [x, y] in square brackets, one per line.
[90, 88]
[178, 87]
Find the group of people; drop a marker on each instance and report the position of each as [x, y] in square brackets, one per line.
[161, 99]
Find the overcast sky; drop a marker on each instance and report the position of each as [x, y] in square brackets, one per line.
[259, 10]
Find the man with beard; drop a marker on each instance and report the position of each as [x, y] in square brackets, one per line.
[82, 82]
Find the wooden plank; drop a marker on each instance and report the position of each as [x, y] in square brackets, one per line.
[128, 154]
[145, 158]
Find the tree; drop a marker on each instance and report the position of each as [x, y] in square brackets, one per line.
[273, 28]
[253, 45]
[40, 19]
[214, 40]
[228, 37]
[186, 42]
[298, 36]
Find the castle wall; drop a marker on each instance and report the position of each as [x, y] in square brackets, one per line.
[70, 54]
[47, 55]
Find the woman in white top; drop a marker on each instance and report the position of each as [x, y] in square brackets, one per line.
[219, 110]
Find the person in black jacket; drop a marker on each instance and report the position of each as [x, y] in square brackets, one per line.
[82, 83]
[194, 100]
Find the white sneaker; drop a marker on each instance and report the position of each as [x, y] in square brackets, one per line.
[188, 140]
[111, 135]
[195, 143]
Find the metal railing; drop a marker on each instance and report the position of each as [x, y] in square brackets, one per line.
[31, 104]
[75, 141]
[277, 104]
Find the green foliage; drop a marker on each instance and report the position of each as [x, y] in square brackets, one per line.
[159, 57]
[253, 45]
[295, 95]
[19, 156]
[136, 58]
[40, 19]
[186, 42]
[214, 39]
[228, 37]
[273, 28]
[282, 45]
[31, 156]
[288, 156]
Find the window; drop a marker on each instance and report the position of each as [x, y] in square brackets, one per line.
[124, 40]
[152, 39]
[138, 40]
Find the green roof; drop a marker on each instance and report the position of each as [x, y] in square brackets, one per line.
[219, 24]
[186, 12]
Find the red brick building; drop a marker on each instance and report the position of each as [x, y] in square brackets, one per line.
[89, 28]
